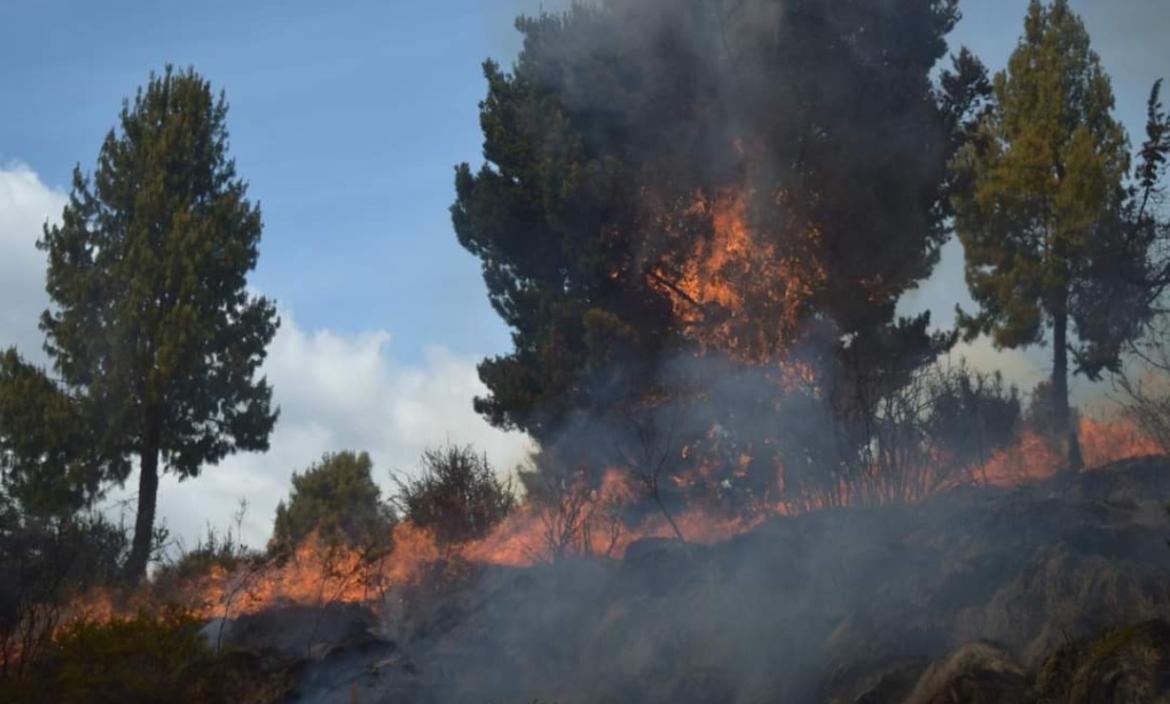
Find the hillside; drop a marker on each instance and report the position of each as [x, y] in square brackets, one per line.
[1003, 591]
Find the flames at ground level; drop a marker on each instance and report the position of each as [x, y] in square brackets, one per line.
[583, 523]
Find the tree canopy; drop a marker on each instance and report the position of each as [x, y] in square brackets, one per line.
[152, 325]
[1042, 217]
[666, 180]
[46, 462]
[337, 499]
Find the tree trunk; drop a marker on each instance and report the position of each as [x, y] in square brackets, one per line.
[144, 522]
[1062, 415]
[1060, 412]
[662, 507]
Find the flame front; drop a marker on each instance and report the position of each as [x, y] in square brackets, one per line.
[586, 523]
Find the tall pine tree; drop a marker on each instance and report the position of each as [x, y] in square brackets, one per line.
[152, 325]
[627, 136]
[1044, 196]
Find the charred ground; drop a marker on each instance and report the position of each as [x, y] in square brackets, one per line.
[981, 592]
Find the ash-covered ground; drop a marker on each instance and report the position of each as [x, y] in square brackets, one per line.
[981, 594]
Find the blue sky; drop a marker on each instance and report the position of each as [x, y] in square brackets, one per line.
[347, 118]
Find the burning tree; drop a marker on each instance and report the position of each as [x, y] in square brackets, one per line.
[751, 184]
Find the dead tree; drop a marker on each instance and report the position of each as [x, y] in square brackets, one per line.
[653, 451]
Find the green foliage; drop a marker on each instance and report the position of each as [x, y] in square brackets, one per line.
[152, 324]
[337, 498]
[972, 414]
[45, 462]
[457, 495]
[1039, 218]
[1155, 152]
[1117, 304]
[134, 658]
[616, 115]
[145, 659]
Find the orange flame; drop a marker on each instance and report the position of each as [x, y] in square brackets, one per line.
[734, 292]
[1034, 458]
[579, 521]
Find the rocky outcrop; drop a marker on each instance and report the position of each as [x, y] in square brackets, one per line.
[977, 673]
[1129, 664]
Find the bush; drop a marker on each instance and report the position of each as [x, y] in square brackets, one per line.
[144, 659]
[457, 495]
[336, 498]
[934, 432]
[973, 414]
[1145, 385]
[44, 562]
[211, 552]
[216, 551]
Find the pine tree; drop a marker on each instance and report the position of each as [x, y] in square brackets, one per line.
[152, 324]
[608, 147]
[1044, 194]
[337, 498]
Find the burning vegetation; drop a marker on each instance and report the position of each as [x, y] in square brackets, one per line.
[735, 293]
[698, 218]
[220, 579]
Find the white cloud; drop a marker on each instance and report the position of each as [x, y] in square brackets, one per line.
[336, 392]
[25, 205]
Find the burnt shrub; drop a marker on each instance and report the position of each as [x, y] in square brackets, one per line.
[456, 495]
[972, 414]
[214, 550]
[1145, 384]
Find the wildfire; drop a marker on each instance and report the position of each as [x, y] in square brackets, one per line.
[734, 291]
[1033, 457]
[576, 521]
